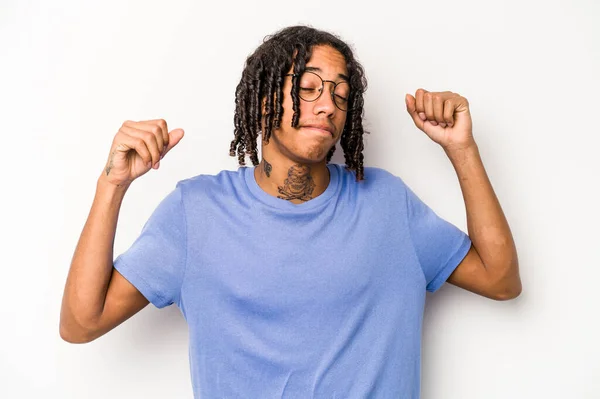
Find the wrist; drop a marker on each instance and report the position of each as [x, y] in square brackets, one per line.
[462, 151]
[110, 189]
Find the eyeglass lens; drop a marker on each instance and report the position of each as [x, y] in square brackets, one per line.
[311, 86]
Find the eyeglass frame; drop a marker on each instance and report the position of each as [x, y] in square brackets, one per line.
[323, 87]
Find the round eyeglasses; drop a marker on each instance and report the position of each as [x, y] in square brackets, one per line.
[311, 87]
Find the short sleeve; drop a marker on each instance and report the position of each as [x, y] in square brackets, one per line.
[155, 262]
[440, 246]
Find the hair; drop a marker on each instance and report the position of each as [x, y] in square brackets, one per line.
[262, 80]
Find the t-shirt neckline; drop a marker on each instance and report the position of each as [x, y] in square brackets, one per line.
[279, 203]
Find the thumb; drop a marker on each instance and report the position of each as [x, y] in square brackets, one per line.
[411, 108]
[175, 137]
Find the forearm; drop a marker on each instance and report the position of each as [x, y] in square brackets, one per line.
[92, 263]
[487, 226]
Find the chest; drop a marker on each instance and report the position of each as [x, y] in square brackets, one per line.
[281, 266]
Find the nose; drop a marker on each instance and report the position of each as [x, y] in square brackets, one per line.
[324, 103]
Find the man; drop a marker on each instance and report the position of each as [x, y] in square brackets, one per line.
[298, 278]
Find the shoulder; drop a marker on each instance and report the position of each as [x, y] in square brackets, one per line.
[379, 179]
[379, 185]
[206, 180]
[379, 174]
[225, 182]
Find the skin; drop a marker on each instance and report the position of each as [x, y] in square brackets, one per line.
[97, 298]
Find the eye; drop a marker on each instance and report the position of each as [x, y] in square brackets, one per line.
[342, 91]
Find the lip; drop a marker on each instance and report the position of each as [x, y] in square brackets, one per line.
[328, 130]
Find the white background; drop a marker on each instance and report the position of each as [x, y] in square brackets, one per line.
[72, 72]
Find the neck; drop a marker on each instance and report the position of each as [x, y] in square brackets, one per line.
[291, 181]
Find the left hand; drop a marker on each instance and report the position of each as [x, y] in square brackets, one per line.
[443, 116]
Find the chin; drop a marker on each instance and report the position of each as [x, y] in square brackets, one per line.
[312, 155]
[305, 150]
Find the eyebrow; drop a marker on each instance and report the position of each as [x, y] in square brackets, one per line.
[317, 69]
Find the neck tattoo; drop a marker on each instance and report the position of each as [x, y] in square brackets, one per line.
[299, 184]
[267, 168]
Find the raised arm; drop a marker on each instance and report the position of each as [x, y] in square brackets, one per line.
[491, 266]
[96, 297]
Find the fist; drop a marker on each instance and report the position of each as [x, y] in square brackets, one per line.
[138, 147]
[444, 116]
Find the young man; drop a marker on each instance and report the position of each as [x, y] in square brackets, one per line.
[298, 278]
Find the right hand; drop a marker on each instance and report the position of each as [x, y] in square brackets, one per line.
[137, 148]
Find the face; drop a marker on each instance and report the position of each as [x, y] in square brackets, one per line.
[321, 122]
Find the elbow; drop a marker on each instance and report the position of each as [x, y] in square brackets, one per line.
[507, 295]
[510, 291]
[73, 332]
[507, 285]
[74, 337]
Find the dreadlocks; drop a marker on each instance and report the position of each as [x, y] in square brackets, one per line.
[262, 79]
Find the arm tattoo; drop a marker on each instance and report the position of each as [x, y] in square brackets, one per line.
[267, 167]
[298, 185]
[110, 163]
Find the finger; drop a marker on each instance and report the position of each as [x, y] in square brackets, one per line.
[419, 96]
[126, 143]
[150, 127]
[412, 110]
[174, 138]
[149, 139]
[438, 109]
[449, 112]
[165, 131]
[428, 104]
